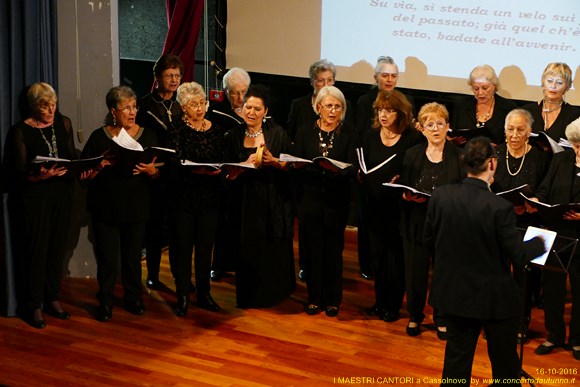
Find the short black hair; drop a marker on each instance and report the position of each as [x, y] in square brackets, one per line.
[476, 153]
[259, 91]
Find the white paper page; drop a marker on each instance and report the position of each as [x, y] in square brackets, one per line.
[549, 238]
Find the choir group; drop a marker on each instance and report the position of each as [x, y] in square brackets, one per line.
[226, 183]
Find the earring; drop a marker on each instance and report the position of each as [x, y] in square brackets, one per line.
[114, 121]
[264, 119]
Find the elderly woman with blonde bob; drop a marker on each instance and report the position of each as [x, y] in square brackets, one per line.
[552, 113]
[487, 111]
[562, 185]
[323, 198]
[426, 166]
[39, 201]
[194, 197]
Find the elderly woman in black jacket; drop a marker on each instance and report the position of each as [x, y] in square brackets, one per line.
[426, 166]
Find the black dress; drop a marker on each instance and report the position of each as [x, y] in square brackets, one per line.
[39, 211]
[194, 203]
[265, 268]
[562, 185]
[420, 173]
[465, 111]
[323, 204]
[386, 244]
[119, 205]
[160, 115]
[556, 131]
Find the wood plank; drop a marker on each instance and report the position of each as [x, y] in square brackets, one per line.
[238, 347]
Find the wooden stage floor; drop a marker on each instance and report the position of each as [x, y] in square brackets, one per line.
[281, 346]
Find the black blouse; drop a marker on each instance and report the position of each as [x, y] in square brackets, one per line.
[114, 194]
[191, 192]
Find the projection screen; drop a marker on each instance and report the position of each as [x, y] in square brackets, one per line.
[435, 44]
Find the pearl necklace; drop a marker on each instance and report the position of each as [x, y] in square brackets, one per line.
[253, 134]
[507, 161]
[202, 129]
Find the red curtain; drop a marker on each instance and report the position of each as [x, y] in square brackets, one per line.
[184, 22]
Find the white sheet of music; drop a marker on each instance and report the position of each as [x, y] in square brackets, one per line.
[549, 238]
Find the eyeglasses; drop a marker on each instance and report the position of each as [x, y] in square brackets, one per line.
[241, 94]
[325, 82]
[330, 107]
[128, 109]
[435, 125]
[172, 76]
[196, 106]
[386, 111]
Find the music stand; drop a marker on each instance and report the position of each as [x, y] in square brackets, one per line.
[563, 246]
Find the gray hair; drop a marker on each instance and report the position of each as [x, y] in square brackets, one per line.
[485, 72]
[187, 91]
[236, 74]
[40, 93]
[331, 91]
[573, 131]
[320, 66]
[383, 60]
[520, 112]
[117, 94]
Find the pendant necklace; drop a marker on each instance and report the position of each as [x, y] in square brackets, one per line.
[326, 146]
[547, 111]
[482, 119]
[167, 109]
[52, 149]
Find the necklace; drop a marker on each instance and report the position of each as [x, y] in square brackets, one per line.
[507, 161]
[253, 134]
[167, 109]
[52, 149]
[324, 146]
[482, 118]
[202, 129]
[546, 111]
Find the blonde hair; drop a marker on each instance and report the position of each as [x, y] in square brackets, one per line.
[330, 91]
[558, 69]
[432, 108]
[40, 93]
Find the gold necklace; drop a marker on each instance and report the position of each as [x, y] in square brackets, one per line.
[482, 118]
[202, 129]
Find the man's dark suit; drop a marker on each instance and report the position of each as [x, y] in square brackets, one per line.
[474, 236]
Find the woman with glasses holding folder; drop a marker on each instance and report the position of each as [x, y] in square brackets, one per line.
[118, 201]
[39, 203]
[425, 167]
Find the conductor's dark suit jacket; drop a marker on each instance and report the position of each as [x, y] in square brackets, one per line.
[474, 236]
